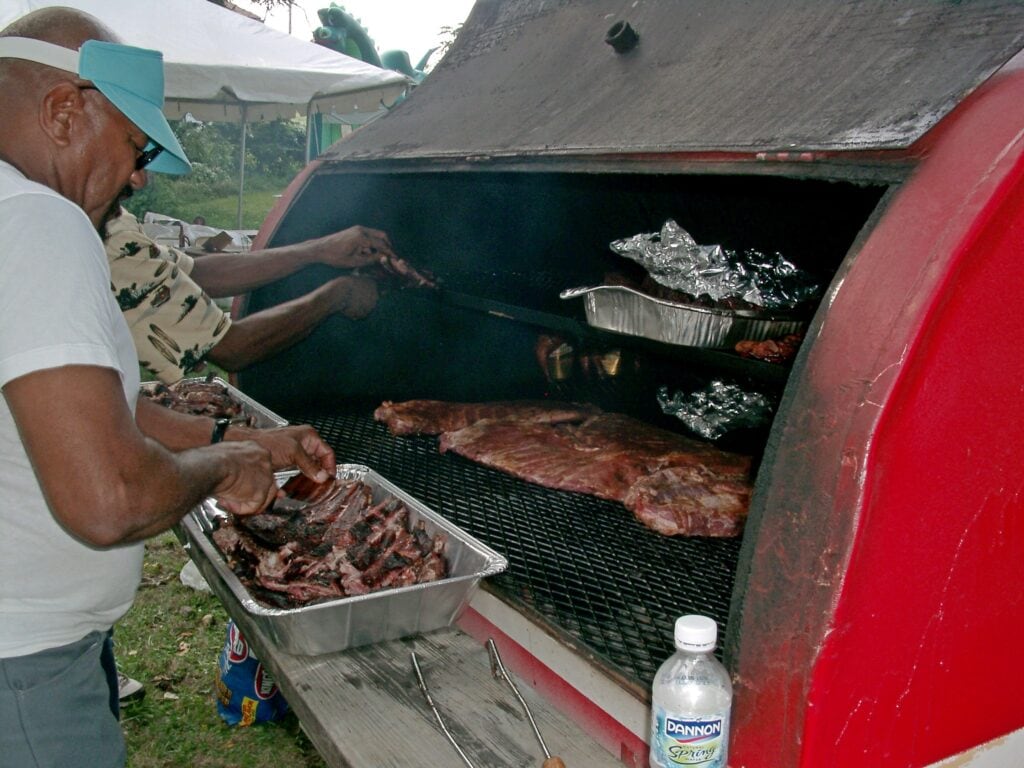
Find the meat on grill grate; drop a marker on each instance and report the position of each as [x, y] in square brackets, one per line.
[432, 417]
[673, 484]
[342, 545]
[690, 500]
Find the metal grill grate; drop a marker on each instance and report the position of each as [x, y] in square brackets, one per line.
[583, 566]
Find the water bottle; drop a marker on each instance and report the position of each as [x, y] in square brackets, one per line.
[690, 701]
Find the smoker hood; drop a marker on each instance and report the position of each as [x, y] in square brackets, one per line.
[538, 78]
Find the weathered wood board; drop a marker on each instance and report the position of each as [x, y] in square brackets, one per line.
[362, 708]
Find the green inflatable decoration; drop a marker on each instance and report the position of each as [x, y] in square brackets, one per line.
[342, 33]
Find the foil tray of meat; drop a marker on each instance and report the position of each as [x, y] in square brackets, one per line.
[625, 310]
[362, 583]
[214, 397]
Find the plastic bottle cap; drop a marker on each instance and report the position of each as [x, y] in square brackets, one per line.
[695, 633]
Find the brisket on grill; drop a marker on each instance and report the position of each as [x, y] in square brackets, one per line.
[673, 484]
[343, 544]
[432, 417]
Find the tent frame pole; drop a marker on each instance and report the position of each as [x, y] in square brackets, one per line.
[309, 132]
[241, 166]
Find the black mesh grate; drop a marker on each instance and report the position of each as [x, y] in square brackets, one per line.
[583, 566]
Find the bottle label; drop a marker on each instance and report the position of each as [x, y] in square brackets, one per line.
[687, 741]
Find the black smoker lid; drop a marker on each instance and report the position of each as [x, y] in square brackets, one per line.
[536, 77]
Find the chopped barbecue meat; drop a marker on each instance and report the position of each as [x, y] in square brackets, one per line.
[780, 350]
[200, 397]
[273, 528]
[341, 545]
[432, 417]
[673, 484]
[276, 527]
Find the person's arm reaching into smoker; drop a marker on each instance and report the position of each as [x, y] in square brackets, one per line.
[176, 325]
[229, 274]
[264, 333]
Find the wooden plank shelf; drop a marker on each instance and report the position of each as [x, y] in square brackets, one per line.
[362, 707]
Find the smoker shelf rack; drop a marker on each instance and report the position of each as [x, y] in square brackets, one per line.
[585, 567]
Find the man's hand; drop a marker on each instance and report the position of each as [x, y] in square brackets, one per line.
[295, 446]
[355, 297]
[360, 246]
[356, 246]
[249, 485]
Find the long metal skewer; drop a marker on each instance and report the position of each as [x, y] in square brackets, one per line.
[433, 708]
[499, 671]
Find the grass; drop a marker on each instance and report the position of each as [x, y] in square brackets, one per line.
[222, 212]
[170, 640]
[185, 202]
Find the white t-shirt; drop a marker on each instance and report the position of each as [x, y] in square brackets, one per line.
[56, 309]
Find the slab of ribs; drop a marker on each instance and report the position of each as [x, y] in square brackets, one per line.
[672, 484]
[340, 544]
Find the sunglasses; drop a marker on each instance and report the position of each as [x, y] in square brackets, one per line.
[146, 155]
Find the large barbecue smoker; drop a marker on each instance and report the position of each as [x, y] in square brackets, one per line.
[873, 607]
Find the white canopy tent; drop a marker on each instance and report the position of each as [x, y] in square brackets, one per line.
[222, 66]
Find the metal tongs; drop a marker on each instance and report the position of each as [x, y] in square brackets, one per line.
[433, 708]
[499, 672]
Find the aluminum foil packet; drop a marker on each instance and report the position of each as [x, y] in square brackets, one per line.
[675, 260]
[717, 410]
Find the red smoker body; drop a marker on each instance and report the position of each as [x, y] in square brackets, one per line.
[884, 594]
[879, 592]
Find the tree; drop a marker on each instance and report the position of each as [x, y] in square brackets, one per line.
[275, 153]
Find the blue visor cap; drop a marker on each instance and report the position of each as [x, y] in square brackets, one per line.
[133, 80]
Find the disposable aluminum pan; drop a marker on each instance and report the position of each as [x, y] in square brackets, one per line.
[624, 310]
[257, 415]
[353, 621]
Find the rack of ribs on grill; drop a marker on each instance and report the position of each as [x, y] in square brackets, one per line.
[432, 417]
[671, 483]
[340, 545]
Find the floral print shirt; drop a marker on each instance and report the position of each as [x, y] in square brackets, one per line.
[173, 322]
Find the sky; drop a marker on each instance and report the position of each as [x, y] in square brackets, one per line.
[410, 25]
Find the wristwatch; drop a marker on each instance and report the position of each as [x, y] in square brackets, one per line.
[219, 428]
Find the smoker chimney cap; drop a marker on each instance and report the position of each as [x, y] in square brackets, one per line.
[622, 37]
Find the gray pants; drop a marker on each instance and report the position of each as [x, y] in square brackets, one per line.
[59, 707]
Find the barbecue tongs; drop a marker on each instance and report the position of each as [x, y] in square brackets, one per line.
[499, 672]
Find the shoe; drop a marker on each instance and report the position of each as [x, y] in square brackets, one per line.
[129, 689]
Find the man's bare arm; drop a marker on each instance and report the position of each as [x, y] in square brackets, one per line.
[291, 446]
[106, 482]
[265, 333]
[230, 274]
